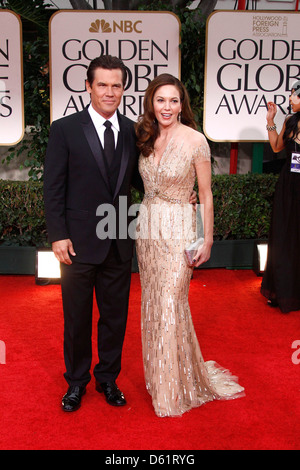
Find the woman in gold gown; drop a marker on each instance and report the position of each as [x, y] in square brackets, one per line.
[173, 153]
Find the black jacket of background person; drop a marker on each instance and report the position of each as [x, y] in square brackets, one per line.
[77, 182]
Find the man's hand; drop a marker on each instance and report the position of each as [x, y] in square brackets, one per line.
[193, 199]
[61, 249]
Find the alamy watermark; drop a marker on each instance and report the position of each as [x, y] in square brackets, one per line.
[2, 352]
[296, 354]
[157, 220]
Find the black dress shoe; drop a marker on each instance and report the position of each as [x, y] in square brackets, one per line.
[72, 399]
[112, 393]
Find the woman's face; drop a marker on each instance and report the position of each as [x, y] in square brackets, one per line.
[167, 105]
[295, 100]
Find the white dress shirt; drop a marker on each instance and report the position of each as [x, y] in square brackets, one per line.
[99, 121]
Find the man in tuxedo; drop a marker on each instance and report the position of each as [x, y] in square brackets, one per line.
[82, 174]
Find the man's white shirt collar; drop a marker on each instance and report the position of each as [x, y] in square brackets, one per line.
[99, 120]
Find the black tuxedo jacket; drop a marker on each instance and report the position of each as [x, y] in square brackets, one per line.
[77, 186]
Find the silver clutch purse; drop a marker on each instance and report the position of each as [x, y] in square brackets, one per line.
[191, 250]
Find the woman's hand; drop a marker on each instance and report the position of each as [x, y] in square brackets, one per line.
[271, 113]
[275, 139]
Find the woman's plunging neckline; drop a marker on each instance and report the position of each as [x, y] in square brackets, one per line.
[157, 165]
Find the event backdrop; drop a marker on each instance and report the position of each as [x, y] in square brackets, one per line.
[11, 79]
[252, 57]
[147, 42]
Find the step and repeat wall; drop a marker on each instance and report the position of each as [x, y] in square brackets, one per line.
[11, 79]
[252, 57]
[147, 42]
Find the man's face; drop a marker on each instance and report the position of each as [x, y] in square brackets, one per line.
[106, 91]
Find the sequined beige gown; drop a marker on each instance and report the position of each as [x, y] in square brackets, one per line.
[176, 375]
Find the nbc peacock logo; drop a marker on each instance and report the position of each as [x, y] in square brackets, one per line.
[123, 26]
[100, 26]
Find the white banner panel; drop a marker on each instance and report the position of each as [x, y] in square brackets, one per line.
[147, 42]
[252, 57]
[11, 79]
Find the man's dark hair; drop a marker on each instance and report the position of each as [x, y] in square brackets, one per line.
[107, 62]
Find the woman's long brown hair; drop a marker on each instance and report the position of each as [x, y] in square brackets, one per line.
[146, 128]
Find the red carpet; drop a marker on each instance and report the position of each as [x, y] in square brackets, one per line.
[235, 328]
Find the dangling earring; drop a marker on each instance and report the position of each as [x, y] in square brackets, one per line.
[179, 117]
